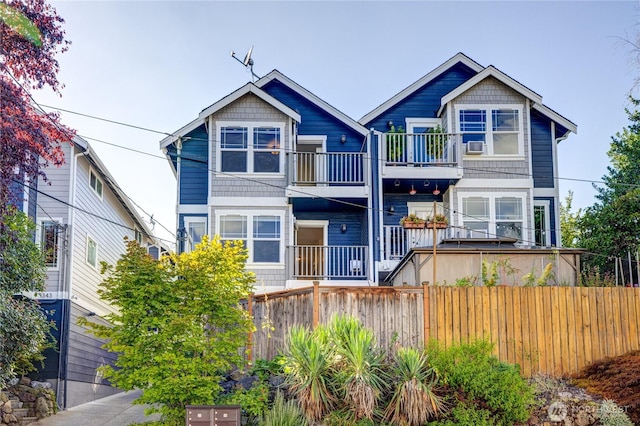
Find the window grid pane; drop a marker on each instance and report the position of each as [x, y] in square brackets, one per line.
[475, 209]
[473, 120]
[508, 208]
[49, 243]
[233, 227]
[234, 138]
[506, 120]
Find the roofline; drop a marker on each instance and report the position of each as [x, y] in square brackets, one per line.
[277, 75]
[184, 130]
[490, 71]
[556, 117]
[459, 57]
[244, 90]
[113, 185]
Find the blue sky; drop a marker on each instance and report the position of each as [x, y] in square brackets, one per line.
[158, 64]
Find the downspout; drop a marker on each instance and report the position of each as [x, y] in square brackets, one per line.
[369, 177]
[178, 169]
[556, 207]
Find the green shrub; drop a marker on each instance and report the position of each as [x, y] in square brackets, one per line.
[472, 369]
[466, 415]
[612, 415]
[264, 368]
[284, 413]
[254, 401]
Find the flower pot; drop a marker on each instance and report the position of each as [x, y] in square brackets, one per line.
[413, 225]
[437, 225]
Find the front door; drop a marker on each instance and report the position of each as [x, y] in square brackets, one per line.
[309, 167]
[310, 248]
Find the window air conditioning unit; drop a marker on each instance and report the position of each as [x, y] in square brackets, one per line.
[475, 147]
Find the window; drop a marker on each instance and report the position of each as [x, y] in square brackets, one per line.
[499, 128]
[489, 216]
[92, 252]
[260, 234]
[250, 149]
[542, 223]
[196, 228]
[96, 184]
[49, 242]
[138, 236]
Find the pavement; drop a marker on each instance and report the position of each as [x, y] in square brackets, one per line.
[114, 410]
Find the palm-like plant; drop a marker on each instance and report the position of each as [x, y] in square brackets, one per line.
[308, 371]
[358, 366]
[414, 401]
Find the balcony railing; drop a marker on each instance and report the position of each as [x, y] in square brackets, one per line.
[398, 241]
[334, 168]
[421, 149]
[329, 262]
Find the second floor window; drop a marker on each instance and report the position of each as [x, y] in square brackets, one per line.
[49, 242]
[251, 149]
[96, 183]
[92, 252]
[489, 216]
[499, 128]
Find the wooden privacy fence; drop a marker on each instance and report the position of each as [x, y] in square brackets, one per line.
[551, 330]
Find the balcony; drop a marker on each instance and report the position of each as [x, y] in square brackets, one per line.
[322, 174]
[422, 155]
[328, 262]
[398, 241]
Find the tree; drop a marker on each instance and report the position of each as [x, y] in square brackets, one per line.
[611, 227]
[29, 138]
[24, 330]
[569, 222]
[179, 323]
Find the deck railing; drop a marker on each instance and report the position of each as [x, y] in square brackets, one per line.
[331, 168]
[421, 149]
[398, 241]
[329, 262]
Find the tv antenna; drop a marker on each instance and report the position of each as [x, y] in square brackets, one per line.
[247, 62]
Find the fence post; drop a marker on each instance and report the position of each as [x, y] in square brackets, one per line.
[316, 303]
[426, 311]
[250, 335]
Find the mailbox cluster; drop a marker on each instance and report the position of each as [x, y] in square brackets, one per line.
[213, 415]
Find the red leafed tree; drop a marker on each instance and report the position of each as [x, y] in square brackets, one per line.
[31, 35]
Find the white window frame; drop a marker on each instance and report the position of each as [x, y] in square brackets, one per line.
[99, 194]
[86, 255]
[249, 215]
[427, 207]
[489, 146]
[187, 221]
[492, 222]
[250, 126]
[39, 241]
[546, 204]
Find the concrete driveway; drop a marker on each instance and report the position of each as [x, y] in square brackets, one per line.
[114, 410]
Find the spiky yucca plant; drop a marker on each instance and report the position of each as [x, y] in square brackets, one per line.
[308, 371]
[358, 366]
[414, 401]
[284, 413]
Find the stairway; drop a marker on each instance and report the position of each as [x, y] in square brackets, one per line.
[21, 414]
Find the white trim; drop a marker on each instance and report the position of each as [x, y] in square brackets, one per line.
[426, 206]
[529, 143]
[459, 57]
[412, 122]
[221, 202]
[490, 71]
[250, 126]
[523, 195]
[495, 183]
[327, 191]
[255, 90]
[547, 220]
[86, 252]
[193, 209]
[92, 172]
[186, 222]
[556, 117]
[545, 192]
[250, 214]
[186, 129]
[277, 75]
[488, 142]
[59, 254]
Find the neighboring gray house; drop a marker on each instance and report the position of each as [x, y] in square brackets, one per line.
[82, 218]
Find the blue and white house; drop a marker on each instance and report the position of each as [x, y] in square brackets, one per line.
[318, 196]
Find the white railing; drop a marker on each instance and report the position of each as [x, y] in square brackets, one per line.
[341, 168]
[329, 262]
[397, 240]
[422, 149]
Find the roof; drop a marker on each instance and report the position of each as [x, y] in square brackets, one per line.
[457, 58]
[248, 88]
[124, 200]
[277, 75]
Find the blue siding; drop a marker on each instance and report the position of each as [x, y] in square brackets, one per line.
[541, 151]
[424, 102]
[316, 121]
[399, 203]
[356, 221]
[56, 311]
[194, 168]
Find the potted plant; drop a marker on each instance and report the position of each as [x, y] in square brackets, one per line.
[412, 222]
[395, 144]
[435, 144]
[438, 221]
